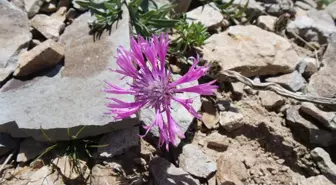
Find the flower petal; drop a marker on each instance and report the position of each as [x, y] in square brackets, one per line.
[203, 89]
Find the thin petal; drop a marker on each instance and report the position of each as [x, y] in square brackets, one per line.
[203, 89]
[186, 103]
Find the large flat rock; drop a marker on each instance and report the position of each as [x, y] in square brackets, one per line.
[322, 83]
[251, 51]
[70, 96]
[14, 37]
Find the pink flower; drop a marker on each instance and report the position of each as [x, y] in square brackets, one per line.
[152, 88]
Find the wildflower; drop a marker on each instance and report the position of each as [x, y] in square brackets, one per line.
[152, 87]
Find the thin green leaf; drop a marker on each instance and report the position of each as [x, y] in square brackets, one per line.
[80, 131]
[45, 134]
[242, 10]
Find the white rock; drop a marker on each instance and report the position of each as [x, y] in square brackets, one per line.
[33, 7]
[14, 37]
[266, 22]
[331, 9]
[209, 15]
[251, 51]
[50, 27]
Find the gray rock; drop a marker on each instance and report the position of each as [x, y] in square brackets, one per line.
[209, 15]
[50, 27]
[322, 83]
[165, 173]
[29, 149]
[45, 55]
[306, 130]
[14, 37]
[33, 7]
[182, 117]
[251, 51]
[303, 5]
[292, 81]
[317, 26]
[69, 96]
[118, 142]
[331, 9]
[270, 100]
[7, 143]
[279, 8]
[266, 22]
[195, 162]
[231, 120]
[223, 105]
[323, 160]
[328, 119]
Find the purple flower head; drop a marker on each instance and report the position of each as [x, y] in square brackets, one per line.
[152, 87]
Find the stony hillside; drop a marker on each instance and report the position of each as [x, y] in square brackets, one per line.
[272, 120]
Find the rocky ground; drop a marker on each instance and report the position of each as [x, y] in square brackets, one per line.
[52, 71]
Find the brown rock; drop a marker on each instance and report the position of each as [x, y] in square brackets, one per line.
[64, 165]
[231, 120]
[50, 27]
[210, 116]
[271, 100]
[45, 55]
[251, 51]
[230, 170]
